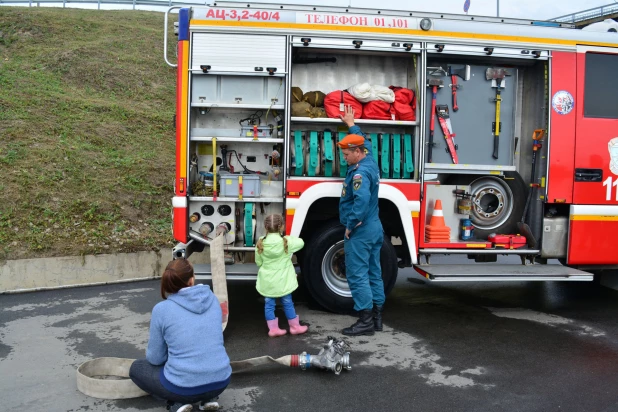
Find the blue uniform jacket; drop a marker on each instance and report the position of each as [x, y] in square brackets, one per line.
[359, 195]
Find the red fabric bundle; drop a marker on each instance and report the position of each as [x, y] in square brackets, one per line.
[379, 110]
[405, 103]
[334, 100]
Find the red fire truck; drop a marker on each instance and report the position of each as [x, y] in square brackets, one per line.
[509, 146]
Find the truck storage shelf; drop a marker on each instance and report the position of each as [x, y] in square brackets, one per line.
[240, 106]
[235, 199]
[358, 121]
[237, 139]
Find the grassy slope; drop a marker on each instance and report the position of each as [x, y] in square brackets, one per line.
[86, 133]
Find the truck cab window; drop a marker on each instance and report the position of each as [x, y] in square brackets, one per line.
[601, 86]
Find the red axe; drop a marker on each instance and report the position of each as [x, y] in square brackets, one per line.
[464, 73]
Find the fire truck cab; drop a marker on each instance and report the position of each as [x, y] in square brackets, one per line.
[511, 136]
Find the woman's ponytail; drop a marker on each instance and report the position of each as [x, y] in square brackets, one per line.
[260, 245]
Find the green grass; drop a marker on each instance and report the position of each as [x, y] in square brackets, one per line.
[86, 133]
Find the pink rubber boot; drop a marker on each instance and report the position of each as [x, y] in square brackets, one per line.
[295, 327]
[273, 326]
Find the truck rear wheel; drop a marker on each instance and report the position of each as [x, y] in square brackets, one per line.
[497, 203]
[323, 269]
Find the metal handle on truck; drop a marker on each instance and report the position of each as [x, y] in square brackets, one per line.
[165, 36]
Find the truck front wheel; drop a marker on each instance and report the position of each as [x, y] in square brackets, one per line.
[324, 273]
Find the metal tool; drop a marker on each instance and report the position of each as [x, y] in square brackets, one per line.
[522, 227]
[447, 129]
[436, 71]
[497, 74]
[434, 84]
[464, 73]
[214, 169]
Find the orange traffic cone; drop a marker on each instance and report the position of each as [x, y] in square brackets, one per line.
[437, 231]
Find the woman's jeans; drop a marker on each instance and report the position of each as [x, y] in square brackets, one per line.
[288, 307]
[146, 376]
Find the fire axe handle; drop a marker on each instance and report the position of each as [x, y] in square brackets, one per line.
[454, 81]
[497, 131]
[432, 123]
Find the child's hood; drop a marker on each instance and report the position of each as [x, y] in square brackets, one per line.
[273, 246]
[197, 299]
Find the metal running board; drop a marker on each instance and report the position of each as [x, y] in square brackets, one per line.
[237, 271]
[521, 251]
[494, 272]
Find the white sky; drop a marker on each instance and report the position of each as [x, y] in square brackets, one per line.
[528, 9]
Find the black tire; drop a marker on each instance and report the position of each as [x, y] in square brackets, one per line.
[490, 215]
[328, 289]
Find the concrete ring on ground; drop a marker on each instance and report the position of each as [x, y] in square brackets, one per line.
[107, 378]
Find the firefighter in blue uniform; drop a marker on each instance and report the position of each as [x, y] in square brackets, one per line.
[358, 212]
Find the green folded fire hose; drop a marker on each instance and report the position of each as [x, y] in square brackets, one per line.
[396, 156]
[408, 168]
[298, 155]
[385, 156]
[328, 154]
[313, 154]
[343, 166]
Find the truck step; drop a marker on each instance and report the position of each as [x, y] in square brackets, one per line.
[237, 271]
[499, 272]
[444, 251]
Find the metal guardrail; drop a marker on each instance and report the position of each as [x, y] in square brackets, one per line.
[585, 14]
[164, 4]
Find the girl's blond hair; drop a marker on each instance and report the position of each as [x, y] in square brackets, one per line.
[272, 224]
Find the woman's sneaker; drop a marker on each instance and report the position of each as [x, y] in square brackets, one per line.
[209, 406]
[179, 407]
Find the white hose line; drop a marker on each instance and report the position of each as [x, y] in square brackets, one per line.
[219, 278]
[107, 378]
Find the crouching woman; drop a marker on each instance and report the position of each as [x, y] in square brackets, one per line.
[186, 362]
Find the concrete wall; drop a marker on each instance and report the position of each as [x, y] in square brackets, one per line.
[37, 274]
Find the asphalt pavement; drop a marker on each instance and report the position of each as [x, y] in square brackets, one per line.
[522, 346]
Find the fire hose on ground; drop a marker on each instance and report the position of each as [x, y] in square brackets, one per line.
[108, 378]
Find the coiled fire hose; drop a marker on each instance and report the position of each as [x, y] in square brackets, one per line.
[108, 378]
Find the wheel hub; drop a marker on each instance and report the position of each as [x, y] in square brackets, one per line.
[489, 202]
[333, 270]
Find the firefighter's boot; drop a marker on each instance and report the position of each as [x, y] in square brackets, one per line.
[273, 328]
[377, 317]
[363, 326]
[295, 327]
